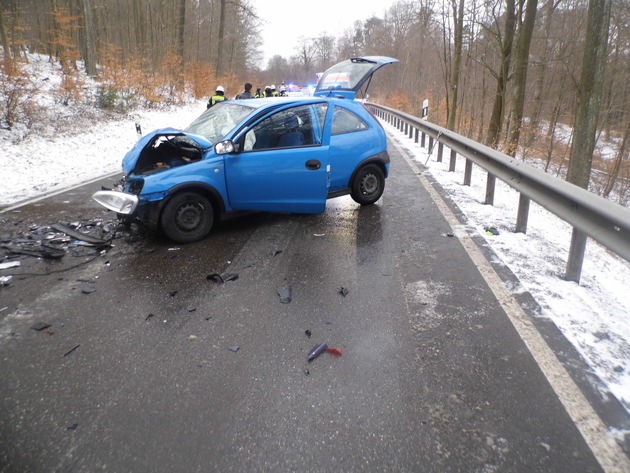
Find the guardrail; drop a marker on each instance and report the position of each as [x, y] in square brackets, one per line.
[589, 214]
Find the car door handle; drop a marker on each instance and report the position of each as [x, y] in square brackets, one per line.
[313, 164]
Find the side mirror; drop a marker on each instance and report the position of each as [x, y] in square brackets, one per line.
[225, 147]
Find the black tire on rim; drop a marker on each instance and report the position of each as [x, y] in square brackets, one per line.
[368, 185]
[187, 217]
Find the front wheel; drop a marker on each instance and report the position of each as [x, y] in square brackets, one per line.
[187, 217]
[368, 185]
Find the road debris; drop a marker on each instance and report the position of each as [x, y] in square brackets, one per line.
[39, 326]
[221, 278]
[322, 348]
[234, 348]
[88, 289]
[343, 291]
[491, 231]
[285, 294]
[10, 264]
[71, 350]
[84, 237]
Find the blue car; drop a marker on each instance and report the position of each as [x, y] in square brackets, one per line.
[281, 154]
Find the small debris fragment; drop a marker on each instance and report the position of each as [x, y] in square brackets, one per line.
[39, 326]
[275, 253]
[546, 446]
[334, 351]
[316, 351]
[5, 280]
[491, 231]
[343, 291]
[71, 350]
[172, 293]
[192, 337]
[221, 278]
[319, 234]
[191, 309]
[10, 264]
[306, 371]
[450, 234]
[87, 289]
[308, 333]
[148, 316]
[72, 427]
[285, 294]
[234, 348]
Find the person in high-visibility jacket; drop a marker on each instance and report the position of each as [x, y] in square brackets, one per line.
[219, 96]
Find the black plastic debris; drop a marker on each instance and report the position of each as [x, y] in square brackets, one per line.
[72, 427]
[275, 252]
[41, 251]
[149, 316]
[308, 333]
[39, 326]
[285, 294]
[221, 278]
[234, 348]
[491, 231]
[191, 309]
[81, 236]
[450, 234]
[71, 350]
[343, 291]
[172, 293]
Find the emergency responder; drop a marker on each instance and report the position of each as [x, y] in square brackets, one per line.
[259, 94]
[247, 93]
[268, 91]
[274, 92]
[219, 96]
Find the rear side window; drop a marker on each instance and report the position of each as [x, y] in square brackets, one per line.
[344, 121]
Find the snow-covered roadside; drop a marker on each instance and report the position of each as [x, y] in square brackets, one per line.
[593, 315]
[39, 165]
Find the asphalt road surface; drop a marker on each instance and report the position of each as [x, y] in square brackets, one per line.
[149, 366]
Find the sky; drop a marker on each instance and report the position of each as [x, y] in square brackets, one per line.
[592, 315]
[280, 31]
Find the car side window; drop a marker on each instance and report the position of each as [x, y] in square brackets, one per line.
[289, 128]
[344, 121]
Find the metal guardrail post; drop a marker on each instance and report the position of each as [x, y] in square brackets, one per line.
[490, 186]
[522, 214]
[416, 135]
[468, 172]
[451, 164]
[440, 152]
[424, 137]
[576, 256]
[430, 142]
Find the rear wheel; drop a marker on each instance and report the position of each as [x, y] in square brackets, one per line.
[187, 217]
[368, 185]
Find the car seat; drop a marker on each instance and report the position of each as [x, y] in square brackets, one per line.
[292, 136]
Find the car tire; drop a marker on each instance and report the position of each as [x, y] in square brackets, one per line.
[187, 217]
[368, 185]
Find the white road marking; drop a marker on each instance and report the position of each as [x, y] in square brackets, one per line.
[601, 442]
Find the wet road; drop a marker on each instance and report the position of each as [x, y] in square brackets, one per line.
[139, 375]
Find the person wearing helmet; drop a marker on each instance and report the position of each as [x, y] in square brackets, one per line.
[274, 92]
[219, 96]
[268, 92]
[283, 91]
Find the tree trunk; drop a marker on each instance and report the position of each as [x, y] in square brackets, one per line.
[589, 92]
[221, 38]
[180, 30]
[520, 74]
[458, 37]
[496, 119]
[89, 56]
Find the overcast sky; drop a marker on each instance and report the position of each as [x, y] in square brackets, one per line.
[285, 22]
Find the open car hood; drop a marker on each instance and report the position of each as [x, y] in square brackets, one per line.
[346, 78]
[132, 156]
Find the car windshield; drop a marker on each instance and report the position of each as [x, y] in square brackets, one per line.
[218, 121]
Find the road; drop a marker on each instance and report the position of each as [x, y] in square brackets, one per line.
[157, 368]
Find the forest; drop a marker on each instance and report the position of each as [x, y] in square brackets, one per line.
[544, 80]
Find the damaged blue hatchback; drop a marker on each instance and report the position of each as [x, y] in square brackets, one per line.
[281, 154]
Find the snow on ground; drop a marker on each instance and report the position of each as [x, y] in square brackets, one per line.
[594, 315]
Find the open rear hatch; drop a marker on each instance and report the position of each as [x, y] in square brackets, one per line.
[347, 78]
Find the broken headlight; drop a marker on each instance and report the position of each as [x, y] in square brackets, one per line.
[119, 202]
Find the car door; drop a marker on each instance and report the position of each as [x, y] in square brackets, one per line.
[282, 163]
